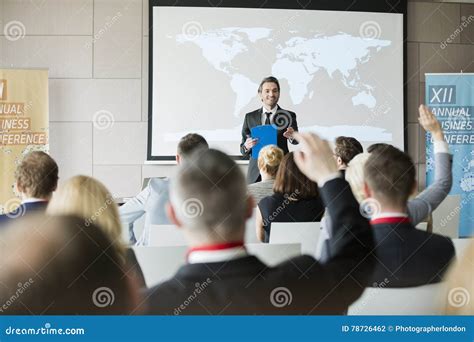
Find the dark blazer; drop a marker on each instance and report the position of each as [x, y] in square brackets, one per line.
[283, 119]
[22, 210]
[302, 285]
[406, 256]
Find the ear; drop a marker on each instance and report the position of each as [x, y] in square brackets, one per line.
[367, 190]
[339, 162]
[20, 188]
[170, 212]
[178, 159]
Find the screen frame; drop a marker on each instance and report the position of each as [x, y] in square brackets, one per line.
[388, 6]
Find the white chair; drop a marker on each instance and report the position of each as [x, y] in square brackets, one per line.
[420, 300]
[446, 217]
[422, 226]
[305, 233]
[460, 246]
[161, 263]
[166, 235]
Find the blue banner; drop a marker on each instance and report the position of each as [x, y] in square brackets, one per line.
[451, 98]
[237, 328]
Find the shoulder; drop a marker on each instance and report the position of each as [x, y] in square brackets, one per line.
[271, 201]
[297, 265]
[287, 111]
[253, 113]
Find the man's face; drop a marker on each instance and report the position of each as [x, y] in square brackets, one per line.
[270, 94]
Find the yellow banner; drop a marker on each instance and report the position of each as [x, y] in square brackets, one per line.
[24, 125]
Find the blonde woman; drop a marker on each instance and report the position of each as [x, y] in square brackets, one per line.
[89, 199]
[269, 159]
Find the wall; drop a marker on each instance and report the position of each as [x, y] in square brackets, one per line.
[97, 54]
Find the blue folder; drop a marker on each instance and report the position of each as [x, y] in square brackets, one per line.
[266, 135]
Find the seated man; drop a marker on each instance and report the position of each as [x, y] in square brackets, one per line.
[405, 256]
[36, 179]
[60, 265]
[346, 148]
[220, 277]
[152, 200]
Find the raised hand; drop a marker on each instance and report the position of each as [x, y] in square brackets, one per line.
[430, 123]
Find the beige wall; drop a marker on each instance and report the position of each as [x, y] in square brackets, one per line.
[110, 76]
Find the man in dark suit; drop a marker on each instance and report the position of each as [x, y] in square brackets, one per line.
[209, 202]
[36, 179]
[270, 113]
[405, 256]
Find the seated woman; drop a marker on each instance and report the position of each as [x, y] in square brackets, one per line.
[89, 199]
[295, 199]
[419, 207]
[269, 160]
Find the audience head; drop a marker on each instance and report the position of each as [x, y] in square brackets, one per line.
[208, 198]
[188, 144]
[390, 177]
[461, 285]
[59, 265]
[355, 175]
[37, 175]
[292, 182]
[377, 146]
[346, 148]
[269, 159]
[89, 199]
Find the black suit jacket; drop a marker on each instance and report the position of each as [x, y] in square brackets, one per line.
[302, 285]
[283, 119]
[22, 210]
[406, 256]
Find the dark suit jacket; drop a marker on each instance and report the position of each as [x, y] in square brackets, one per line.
[406, 256]
[253, 119]
[22, 210]
[299, 286]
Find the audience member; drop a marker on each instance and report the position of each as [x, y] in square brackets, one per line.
[61, 266]
[419, 207]
[152, 200]
[405, 256]
[88, 198]
[461, 284]
[376, 146]
[346, 148]
[295, 199]
[269, 159]
[36, 178]
[221, 278]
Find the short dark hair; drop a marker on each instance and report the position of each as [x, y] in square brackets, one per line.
[190, 143]
[290, 180]
[209, 193]
[347, 148]
[377, 146]
[58, 280]
[37, 174]
[269, 79]
[390, 173]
